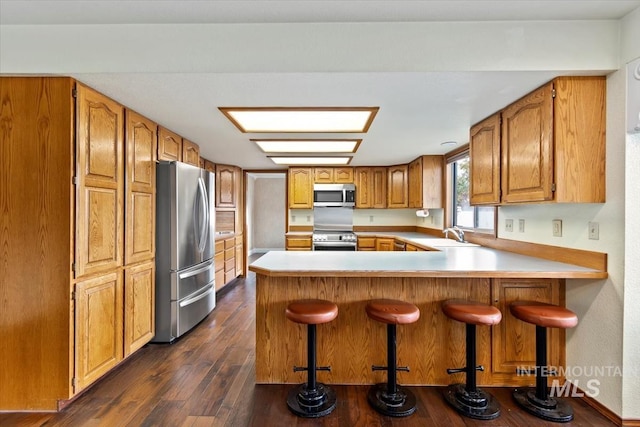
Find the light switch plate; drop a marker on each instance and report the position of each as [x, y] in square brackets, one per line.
[521, 225]
[508, 225]
[594, 231]
[557, 228]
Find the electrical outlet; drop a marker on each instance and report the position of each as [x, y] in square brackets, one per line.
[521, 225]
[308, 218]
[370, 218]
[508, 225]
[594, 231]
[557, 228]
[293, 218]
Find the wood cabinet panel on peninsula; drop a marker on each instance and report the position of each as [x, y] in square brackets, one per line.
[64, 185]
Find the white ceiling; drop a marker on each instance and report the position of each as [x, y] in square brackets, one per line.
[420, 107]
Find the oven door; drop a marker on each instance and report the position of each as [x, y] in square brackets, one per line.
[333, 246]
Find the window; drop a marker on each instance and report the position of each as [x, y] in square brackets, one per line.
[478, 218]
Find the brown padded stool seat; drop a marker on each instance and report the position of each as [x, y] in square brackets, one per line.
[472, 312]
[545, 315]
[311, 311]
[392, 312]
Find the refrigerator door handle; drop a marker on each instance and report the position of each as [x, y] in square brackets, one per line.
[198, 297]
[204, 217]
[196, 271]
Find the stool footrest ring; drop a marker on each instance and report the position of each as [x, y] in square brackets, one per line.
[318, 368]
[458, 370]
[385, 368]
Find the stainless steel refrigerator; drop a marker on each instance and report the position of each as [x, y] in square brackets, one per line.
[185, 228]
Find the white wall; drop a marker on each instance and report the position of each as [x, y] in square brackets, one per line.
[268, 213]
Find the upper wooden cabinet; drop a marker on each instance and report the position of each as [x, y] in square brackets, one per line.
[484, 162]
[140, 188]
[169, 145]
[100, 189]
[553, 143]
[300, 188]
[371, 187]
[190, 153]
[397, 187]
[329, 175]
[207, 165]
[226, 186]
[425, 176]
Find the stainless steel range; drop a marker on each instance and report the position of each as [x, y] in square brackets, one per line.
[334, 241]
[333, 229]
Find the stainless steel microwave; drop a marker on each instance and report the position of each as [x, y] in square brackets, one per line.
[334, 195]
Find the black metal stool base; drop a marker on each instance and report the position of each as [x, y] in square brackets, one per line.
[550, 409]
[479, 405]
[400, 404]
[311, 403]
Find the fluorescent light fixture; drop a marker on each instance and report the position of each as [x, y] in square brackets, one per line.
[308, 145]
[309, 160]
[301, 119]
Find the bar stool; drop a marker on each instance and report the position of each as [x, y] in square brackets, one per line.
[467, 398]
[391, 399]
[537, 401]
[311, 399]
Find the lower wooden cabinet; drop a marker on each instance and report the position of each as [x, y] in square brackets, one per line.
[228, 260]
[139, 306]
[298, 243]
[514, 341]
[366, 243]
[239, 256]
[384, 244]
[98, 327]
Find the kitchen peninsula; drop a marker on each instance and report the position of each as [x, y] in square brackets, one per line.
[352, 343]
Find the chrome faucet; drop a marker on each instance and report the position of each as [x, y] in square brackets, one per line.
[456, 231]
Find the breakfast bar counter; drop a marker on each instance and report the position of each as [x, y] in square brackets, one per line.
[352, 343]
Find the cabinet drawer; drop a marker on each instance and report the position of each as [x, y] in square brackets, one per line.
[239, 240]
[230, 264]
[220, 279]
[229, 275]
[219, 246]
[229, 253]
[229, 243]
[298, 243]
[219, 261]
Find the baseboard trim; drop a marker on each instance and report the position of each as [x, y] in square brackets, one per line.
[630, 423]
[606, 412]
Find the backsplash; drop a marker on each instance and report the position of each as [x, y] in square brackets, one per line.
[373, 217]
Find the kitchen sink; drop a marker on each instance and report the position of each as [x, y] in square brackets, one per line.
[441, 243]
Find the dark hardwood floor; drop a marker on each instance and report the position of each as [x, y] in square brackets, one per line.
[207, 379]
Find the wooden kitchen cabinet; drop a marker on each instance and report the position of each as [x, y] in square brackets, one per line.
[425, 182]
[81, 183]
[169, 145]
[98, 327]
[371, 187]
[553, 143]
[207, 165]
[300, 188]
[329, 175]
[239, 255]
[229, 259]
[384, 244]
[190, 153]
[226, 186]
[219, 264]
[484, 161]
[298, 243]
[366, 243]
[397, 187]
[139, 306]
[140, 188]
[514, 341]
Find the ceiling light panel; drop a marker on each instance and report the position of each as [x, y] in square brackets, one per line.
[308, 145]
[301, 120]
[309, 160]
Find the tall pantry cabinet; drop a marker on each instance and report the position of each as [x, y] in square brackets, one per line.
[76, 194]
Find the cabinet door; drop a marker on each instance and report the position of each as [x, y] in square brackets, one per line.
[415, 183]
[300, 188]
[169, 145]
[323, 175]
[379, 188]
[398, 189]
[99, 190]
[514, 341]
[239, 256]
[139, 306]
[225, 186]
[484, 161]
[140, 189]
[383, 244]
[343, 175]
[364, 187]
[527, 148]
[239, 198]
[190, 153]
[98, 327]
[207, 165]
